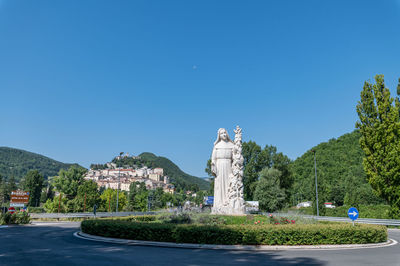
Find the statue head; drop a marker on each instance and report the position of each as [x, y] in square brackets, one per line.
[222, 135]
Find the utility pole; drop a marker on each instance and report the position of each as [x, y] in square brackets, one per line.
[109, 203]
[316, 181]
[84, 204]
[119, 181]
[59, 203]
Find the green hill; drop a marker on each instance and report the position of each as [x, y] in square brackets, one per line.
[179, 178]
[15, 162]
[341, 177]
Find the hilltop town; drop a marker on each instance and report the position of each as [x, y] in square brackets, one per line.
[110, 176]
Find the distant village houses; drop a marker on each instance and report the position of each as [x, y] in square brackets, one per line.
[108, 178]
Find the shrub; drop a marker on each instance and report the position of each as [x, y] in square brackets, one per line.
[182, 218]
[129, 230]
[15, 218]
[7, 218]
[36, 210]
[140, 218]
[22, 218]
[266, 234]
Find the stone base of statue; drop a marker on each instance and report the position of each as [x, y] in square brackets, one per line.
[228, 210]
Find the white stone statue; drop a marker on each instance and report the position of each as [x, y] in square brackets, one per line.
[227, 166]
[235, 188]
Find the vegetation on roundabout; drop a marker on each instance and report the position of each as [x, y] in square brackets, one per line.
[14, 218]
[234, 230]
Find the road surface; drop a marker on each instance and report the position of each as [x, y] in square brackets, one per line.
[54, 244]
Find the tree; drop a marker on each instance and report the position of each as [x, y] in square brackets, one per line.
[89, 191]
[68, 181]
[52, 205]
[109, 200]
[34, 184]
[11, 186]
[199, 199]
[380, 140]
[268, 192]
[2, 190]
[138, 196]
[250, 152]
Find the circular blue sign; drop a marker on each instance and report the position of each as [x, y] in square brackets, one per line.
[353, 213]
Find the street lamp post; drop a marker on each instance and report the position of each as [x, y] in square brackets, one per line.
[119, 182]
[316, 181]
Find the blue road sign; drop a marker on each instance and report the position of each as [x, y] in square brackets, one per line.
[209, 200]
[353, 213]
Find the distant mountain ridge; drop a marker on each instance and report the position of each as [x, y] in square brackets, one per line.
[16, 162]
[341, 176]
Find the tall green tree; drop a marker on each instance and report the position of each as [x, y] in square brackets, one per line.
[34, 184]
[2, 190]
[109, 200]
[211, 175]
[380, 140]
[88, 189]
[69, 181]
[268, 192]
[11, 186]
[250, 152]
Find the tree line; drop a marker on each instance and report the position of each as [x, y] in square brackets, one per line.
[70, 192]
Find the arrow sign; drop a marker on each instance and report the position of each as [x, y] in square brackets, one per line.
[353, 213]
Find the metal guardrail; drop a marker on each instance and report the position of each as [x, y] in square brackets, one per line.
[391, 222]
[84, 215]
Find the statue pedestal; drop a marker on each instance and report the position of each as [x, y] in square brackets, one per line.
[228, 210]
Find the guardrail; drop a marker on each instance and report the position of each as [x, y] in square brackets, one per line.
[391, 222]
[84, 215]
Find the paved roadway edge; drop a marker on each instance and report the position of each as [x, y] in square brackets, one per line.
[85, 236]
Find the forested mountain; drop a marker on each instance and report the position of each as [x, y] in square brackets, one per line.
[341, 177]
[15, 162]
[179, 178]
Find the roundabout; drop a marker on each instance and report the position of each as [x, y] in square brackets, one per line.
[54, 244]
[85, 236]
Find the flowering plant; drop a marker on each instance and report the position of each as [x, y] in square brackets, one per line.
[282, 220]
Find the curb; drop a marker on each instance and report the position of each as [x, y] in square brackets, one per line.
[85, 236]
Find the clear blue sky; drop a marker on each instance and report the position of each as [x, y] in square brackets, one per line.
[81, 81]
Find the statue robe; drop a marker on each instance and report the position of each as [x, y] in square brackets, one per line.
[222, 162]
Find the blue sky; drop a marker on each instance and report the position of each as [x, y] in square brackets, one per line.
[81, 81]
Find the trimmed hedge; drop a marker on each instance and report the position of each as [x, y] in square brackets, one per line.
[316, 234]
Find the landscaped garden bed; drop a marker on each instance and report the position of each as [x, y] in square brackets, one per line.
[233, 230]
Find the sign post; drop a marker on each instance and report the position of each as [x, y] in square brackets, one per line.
[94, 210]
[19, 198]
[353, 214]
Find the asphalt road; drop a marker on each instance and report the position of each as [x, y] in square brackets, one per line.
[54, 244]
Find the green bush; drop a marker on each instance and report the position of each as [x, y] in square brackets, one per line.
[36, 210]
[15, 218]
[140, 218]
[129, 230]
[255, 234]
[181, 218]
[7, 218]
[22, 218]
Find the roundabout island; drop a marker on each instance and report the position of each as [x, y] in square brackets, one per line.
[249, 230]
